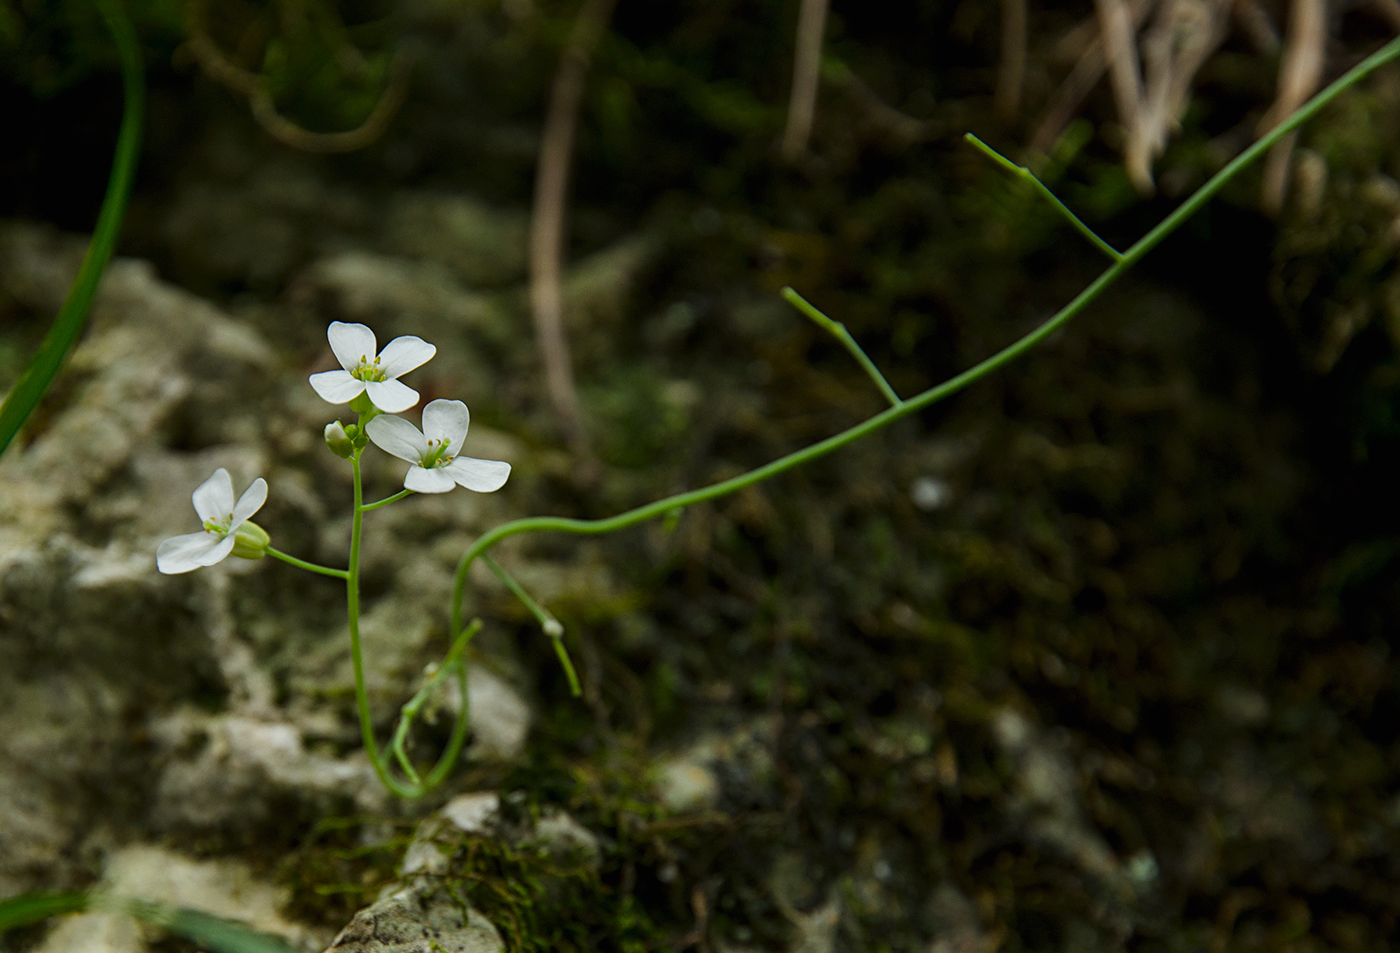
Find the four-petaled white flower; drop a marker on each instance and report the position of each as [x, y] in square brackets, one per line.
[213, 501]
[433, 452]
[369, 371]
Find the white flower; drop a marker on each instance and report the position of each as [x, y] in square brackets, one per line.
[433, 453]
[213, 501]
[368, 371]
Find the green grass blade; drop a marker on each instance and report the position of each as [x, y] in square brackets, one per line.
[31, 908]
[37, 377]
[214, 934]
[211, 933]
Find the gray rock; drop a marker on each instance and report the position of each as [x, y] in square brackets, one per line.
[422, 914]
[241, 772]
[686, 786]
[1046, 805]
[476, 814]
[690, 780]
[414, 920]
[481, 244]
[422, 907]
[555, 834]
[153, 704]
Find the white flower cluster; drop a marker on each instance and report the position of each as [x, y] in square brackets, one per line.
[434, 452]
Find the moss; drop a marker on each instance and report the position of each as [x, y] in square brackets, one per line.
[540, 903]
[340, 867]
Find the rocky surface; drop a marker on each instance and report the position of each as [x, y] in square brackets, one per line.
[141, 704]
[1098, 655]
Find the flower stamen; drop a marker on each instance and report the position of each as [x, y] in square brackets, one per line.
[367, 371]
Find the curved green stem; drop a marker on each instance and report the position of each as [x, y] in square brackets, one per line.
[309, 567]
[386, 501]
[949, 387]
[25, 395]
[410, 711]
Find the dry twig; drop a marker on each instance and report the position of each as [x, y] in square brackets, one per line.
[806, 70]
[899, 127]
[1011, 74]
[1126, 77]
[1183, 36]
[218, 67]
[1085, 45]
[1300, 72]
[1256, 24]
[547, 223]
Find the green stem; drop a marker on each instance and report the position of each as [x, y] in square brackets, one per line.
[309, 567]
[544, 617]
[386, 501]
[949, 387]
[838, 330]
[567, 663]
[35, 380]
[352, 599]
[1022, 172]
[415, 788]
[415, 704]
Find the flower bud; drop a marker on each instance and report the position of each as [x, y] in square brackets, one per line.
[250, 541]
[338, 440]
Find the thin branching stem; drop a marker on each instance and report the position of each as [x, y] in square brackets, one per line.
[1122, 263]
[544, 617]
[386, 501]
[410, 711]
[1026, 174]
[416, 786]
[838, 330]
[309, 567]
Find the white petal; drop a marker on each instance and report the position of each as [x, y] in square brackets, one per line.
[351, 343]
[397, 436]
[213, 499]
[391, 397]
[483, 476]
[220, 550]
[446, 420]
[249, 503]
[183, 553]
[423, 480]
[402, 355]
[337, 387]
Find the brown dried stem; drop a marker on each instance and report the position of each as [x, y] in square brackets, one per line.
[879, 116]
[224, 71]
[1300, 72]
[1126, 76]
[1011, 72]
[1183, 36]
[547, 224]
[806, 70]
[1084, 42]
